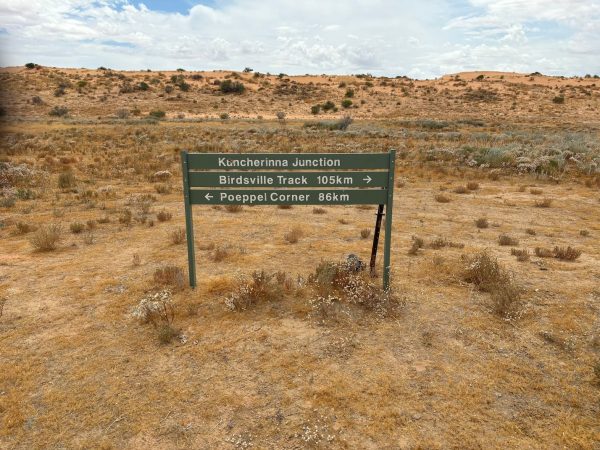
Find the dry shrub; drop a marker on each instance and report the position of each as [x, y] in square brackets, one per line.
[46, 238]
[472, 185]
[104, 219]
[365, 233]
[522, 255]
[284, 206]
[164, 216]
[24, 228]
[91, 224]
[319, 211]
[542, 252]
[536, 191]
[482, 222]
[505, 239]
[441, 198]
[545, 203]
[441, 242]
[66, 180]
[76, 227]
[485, 272]
[293, 235]
[566, 253]
[339, 285]
[584, 233]
[234, 208]
[125, 216]
[461, 190]
[343, 221]
[158, 310]
[221, 252]
[417, 243]
[177, 236]
[530, 231]
[136, 260]
[262, 287]
[2, 303]
[162, 188]
[170, 275]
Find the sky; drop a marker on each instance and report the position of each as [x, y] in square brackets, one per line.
[420, 39]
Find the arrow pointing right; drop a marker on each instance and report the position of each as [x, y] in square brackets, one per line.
[367, 179]
[208, 197]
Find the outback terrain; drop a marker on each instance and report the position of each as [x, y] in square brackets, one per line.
[489, 337]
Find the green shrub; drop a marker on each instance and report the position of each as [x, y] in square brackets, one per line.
[231, 87]
[315, 109]
[143, 86]
[346, 103]
[328, 105]
[559, 100]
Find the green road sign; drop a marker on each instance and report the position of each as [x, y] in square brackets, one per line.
[288, 197]
[287, 161]
[289, 179]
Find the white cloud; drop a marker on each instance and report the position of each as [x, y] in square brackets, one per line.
[390, 37]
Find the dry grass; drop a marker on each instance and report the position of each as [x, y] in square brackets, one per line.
[77, 372]
[365, 233]
[293, 236]
[170, 275]
[441, 198]
[177, 236]
[544, 203]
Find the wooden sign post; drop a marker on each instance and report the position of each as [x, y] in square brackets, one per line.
[289, 179]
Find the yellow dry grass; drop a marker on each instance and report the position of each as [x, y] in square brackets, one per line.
[76, 371]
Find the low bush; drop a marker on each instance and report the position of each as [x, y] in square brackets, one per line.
[488, 275]
[234, 208]
[46, 238]
[66, 180]
[482, 222]
[262, 287]
[441, 198]
[164, 216]
[76, 227]
[365, 233]
[177, 236]
[545, 203]
[231, 87]
[522, 255]
[59, 111]
[566, 253]
[505, 239]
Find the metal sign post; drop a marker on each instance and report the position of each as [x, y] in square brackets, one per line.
[288, 179]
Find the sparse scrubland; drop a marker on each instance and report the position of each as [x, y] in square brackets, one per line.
[489, 337]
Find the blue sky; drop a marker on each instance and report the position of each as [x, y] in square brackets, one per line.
[384, 37]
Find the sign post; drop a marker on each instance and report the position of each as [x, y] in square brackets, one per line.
[288, 179]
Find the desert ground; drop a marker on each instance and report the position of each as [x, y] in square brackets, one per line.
[488, 338]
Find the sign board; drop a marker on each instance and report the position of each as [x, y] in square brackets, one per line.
[289, 179]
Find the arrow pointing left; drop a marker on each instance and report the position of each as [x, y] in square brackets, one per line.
[208, 197]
